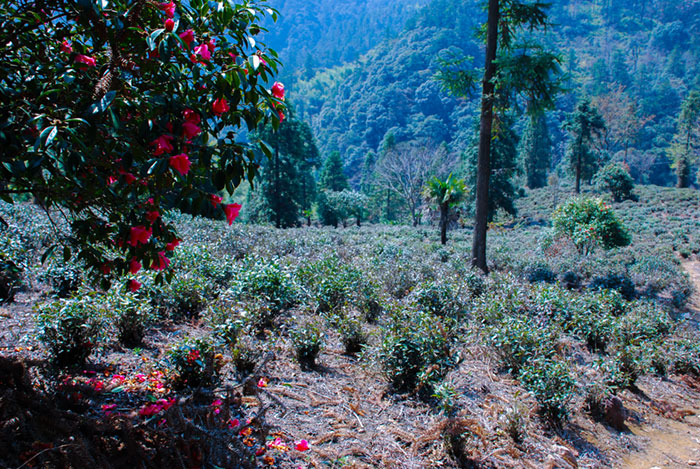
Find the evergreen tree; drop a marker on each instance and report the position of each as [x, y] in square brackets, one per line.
[685, 143]
[332, 176]
[583, 124]
[536, 150]
[504, 152]
[287, 185]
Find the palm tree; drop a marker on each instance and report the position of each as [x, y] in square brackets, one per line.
[446, 194]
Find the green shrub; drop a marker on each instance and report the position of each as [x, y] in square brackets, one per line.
[183, 298]
[70, 329]
[589, 223]
[308, 341]
[64, 279]
[617, 180]
[684, 357]
[416, 352]
[368, 301]
[10, 278]
[331, 283]
[351, 335]
[193, 364]
[247, 353]
[438, 298]
[551, 383]
[518, 340]
[613, 281]
[266, 279]
[228, 330]
[540, 272]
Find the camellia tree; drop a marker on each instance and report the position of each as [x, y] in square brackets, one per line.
[114, 111]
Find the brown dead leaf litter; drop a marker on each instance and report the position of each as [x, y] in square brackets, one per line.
[345, 410]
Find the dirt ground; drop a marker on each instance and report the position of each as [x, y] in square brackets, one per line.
[345, 412]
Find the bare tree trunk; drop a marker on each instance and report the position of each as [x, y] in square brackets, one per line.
[444, 209]
[578, 172]
[484, 159]
[278, 221]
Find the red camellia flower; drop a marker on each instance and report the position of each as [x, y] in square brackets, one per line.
[203, 51]
[134, 285]
[215, 199]
[139, 234]
[163, 145]
[278, 90]
[66, 47]
[181, 163]
[129, 178]
[172, 245]
[162, 263]
[211, 44]
[168, 8]
[231, 211]
[152, 216]
[84, 59]
[219, 106]
[190, 129]
[191, 116]
[187, 37]
[169, 24]
[134, 266]
[106, 268]
[302, 445]
[281, 116]
[111, 180]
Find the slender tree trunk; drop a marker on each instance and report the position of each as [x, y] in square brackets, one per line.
[578, 172]
[444, 209]
[579, 151]
[278, 221]
[484, 158]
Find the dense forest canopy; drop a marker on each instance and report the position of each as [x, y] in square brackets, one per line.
[636, 60]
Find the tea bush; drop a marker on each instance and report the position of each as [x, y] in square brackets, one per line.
[70, 329]
[308, 342]
[351, 335]
[550, 381]
[183, 298]
[265, 279]
[193, 364]
[416, 352]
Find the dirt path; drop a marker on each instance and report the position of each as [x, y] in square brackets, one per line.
[671, 442]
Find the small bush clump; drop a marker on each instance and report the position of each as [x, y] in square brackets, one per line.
[70, 330]
[193, 364]
[417, 352]
[308, 341]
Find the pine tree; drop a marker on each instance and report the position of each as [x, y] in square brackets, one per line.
[536, 150]
[332, 176]
[583, 124]
[685, 143]
[287, 185]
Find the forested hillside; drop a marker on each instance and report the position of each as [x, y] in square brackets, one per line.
[636, 60]
[312, 35]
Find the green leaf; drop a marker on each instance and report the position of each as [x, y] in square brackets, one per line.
[103, 103]
[52, 135]
[66, 254]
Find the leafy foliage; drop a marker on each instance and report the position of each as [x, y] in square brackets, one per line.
[588, 223]
[114, 116]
